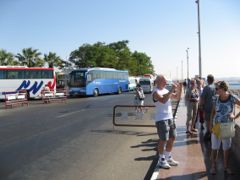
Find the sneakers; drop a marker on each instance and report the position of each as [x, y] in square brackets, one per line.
[172, 162]
[163, 164]
[166, 164]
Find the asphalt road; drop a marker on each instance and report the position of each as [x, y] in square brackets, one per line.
[74, 141]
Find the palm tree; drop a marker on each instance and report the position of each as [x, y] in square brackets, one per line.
[30, 57]
[7, 58]
[53, 60]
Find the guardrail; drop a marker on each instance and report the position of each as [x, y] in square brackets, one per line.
[15, 99]
[142, 111]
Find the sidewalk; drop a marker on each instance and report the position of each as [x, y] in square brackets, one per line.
[194, 156]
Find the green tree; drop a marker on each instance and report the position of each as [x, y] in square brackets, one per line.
[30, 57]
[123, 54]
[7, 58]
[144, 64]
[53, 60]
[83, 56]
[116, 55]
[103, 56]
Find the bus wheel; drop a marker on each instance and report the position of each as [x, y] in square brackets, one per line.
[119, 90]
[95, 93]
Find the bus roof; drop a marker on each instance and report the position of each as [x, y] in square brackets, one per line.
[99, 68]
[23, 68]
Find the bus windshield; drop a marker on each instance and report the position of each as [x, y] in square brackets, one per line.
[144, 82]
[77, 78]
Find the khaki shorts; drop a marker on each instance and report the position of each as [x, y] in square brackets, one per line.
[166, 129]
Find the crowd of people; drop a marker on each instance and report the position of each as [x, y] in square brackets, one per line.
[210, 104]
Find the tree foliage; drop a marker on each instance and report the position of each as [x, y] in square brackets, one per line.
[114, 55]
[53, 60]
[7, 58]
[30, 57]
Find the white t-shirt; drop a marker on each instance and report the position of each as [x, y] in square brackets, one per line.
[163, 111]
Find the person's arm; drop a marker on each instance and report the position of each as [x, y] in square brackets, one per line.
[177, 94]
[163, 98]
[202, 100]
[213, 112]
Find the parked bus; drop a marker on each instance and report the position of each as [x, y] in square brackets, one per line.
[96, 81]
[21, 78]
[61, 80]
[147, 84]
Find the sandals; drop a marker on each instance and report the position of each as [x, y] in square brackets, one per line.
[228, 171]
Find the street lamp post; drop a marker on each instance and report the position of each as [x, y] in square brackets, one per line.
[199, 40]
[187, 63]
[182, 69]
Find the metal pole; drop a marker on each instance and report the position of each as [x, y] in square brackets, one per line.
[182, 69]
[177, 73]
[199, 39]
[187, 63]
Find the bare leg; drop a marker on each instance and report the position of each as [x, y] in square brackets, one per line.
[161, 145]
[169, 144]
[214, 155]
[226, 157]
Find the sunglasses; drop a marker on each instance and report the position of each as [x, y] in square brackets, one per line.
[216, 89]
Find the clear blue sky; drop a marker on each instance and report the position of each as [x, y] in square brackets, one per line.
[163, 29]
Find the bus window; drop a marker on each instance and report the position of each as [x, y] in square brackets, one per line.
[89, 77]
[2, 74]
[12, 74]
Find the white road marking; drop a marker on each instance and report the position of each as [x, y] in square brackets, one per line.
[155, 174]
[68, 114]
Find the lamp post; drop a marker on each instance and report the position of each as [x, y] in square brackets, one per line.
[187, 63]
[199, 40]
[182, 69]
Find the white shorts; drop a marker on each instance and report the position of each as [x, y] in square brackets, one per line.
[216, 143]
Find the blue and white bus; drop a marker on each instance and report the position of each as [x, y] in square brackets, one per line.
[30, 79]
[96, 81]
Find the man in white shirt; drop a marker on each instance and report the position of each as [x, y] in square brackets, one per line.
[165, 124]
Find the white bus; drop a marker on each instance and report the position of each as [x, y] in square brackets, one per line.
[20, 78]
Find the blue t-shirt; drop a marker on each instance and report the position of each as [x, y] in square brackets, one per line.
[224, 108]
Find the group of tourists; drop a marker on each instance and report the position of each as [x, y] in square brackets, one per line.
[212, 104]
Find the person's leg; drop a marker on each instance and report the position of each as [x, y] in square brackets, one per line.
[163, 134]
[207, 136]
[194, 110]
[226, 145]
[170, 142]
[189, 116]
[197, 117]
[201, 117]
[214, 153]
